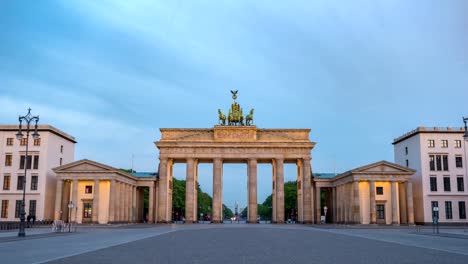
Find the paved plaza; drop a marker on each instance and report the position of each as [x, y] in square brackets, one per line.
[236, 243]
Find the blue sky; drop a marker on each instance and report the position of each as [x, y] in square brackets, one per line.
[358, 73]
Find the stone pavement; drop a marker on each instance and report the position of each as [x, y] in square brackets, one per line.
[237, 244]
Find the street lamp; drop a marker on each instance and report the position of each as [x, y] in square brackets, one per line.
[28, 118]
[465, 136]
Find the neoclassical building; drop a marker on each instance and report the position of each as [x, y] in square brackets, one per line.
[377, 193]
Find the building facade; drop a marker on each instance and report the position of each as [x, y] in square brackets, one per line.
[439, 156]
[102, 194]
[52, 149]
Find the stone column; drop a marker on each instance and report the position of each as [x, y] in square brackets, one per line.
[130, 203]
[395, 219]
[122, 202]
[252, 205]
[339, 204]
[402, 210]
[95, 215]
[189, 192]
[195, 191]
[217, 207]
[334, 197]
[112, 194]
[273, 191]
[163, 186]
[356, 206]
[151, 205]
[75, 201]
[300, 196]
[58, 200]
[280, 191]
[134, 204]
[306, 189]
[409, 202]
[318, 212]
[372, 209]
[65, 199]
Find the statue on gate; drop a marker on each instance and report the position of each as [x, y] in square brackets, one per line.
[235, 116]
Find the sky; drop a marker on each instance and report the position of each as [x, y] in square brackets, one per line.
[357, 73]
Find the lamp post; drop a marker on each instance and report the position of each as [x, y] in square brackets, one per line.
[28, 118]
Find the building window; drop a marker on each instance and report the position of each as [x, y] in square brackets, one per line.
[458, 143]
[61, 148]
[448, 210]
[438, 162]
[380, 211]
[36, 162]
[460, 184]
[6, 182]
[379, 190]
[23, 141]
[20, 184]
[406, 150]
[458, 162]
[9, 141]
[22, 161]
[8, 160]
[88, 189]
[444, 143]
[461, 210]
[431, 143]
[37, 142]
[435, 204]
[60, 161]
[432, 162]
[433, 184]
[4, 209]
[446, 184]
[32, 207]
[407, 163]
[34, 180]
[18, 208]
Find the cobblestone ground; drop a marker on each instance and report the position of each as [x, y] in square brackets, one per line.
[239, 244]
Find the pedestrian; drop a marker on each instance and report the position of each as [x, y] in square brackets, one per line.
[28, 219]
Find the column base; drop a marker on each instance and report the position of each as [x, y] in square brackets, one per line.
[216, 222]
[279, 222]
[307, 222]
[395, 223]
[373, 223]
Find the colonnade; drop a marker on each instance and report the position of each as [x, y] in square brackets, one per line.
[164, 211]
[122, 206]
[347, 204]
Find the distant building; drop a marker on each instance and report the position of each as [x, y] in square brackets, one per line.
[439, 156]
[52, 149]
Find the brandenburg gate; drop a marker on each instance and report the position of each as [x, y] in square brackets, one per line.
[235, 142]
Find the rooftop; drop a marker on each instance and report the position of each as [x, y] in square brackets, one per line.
[144, 174]
[46, 128]
[422, 129]
[321, 175]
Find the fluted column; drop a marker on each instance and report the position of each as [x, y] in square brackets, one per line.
[280, 191]
[300, 192]
[189, 192]
[122, 202]
[58, 200]
[409, 202]
[163, 186]
[273, 191]
[134, 204]
[356, 206]
[195, 191]
[334, 202]
[112, 194]
[217, 206]
[339, 204]
[252, 175]
[75, 201]
[130, 203]
[395, 219]
[151, 205]
[372, 209]
[95, 215]
[318, 212]
[306, 191]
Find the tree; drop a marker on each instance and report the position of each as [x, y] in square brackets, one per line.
[290, 202]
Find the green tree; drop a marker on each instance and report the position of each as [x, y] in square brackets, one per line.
[290, 202]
